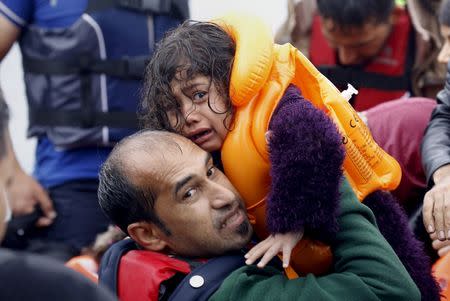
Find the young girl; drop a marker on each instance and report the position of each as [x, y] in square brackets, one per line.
[186, 91]
[192, 87]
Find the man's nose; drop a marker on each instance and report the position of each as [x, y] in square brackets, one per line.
[348, 56]
[444, 54]
[221, 196]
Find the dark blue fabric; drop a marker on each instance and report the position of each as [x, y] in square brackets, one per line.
[109, 266]
[79, 215]
[43, 13]
[54, 167]
[214, 272]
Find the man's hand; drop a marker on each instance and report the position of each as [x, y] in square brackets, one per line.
[24, 193]
[436, 205]
[273, 245]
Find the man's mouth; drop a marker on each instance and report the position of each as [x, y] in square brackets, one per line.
[233, 220]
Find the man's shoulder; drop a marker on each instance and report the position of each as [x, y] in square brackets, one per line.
[26, 275]
[50, 13]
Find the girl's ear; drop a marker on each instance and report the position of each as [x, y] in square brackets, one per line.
[146, 235]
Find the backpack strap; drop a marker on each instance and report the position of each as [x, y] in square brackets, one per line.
[203, 281]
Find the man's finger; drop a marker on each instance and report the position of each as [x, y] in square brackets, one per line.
[44, 222]
[438, 215]
[446, 214]
[46, 203]
[427, 212]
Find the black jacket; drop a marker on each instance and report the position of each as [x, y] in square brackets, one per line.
[436, 142]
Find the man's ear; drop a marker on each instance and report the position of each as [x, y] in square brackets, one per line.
[147, 236]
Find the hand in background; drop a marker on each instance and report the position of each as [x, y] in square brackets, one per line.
[436, 205]
[24, 192]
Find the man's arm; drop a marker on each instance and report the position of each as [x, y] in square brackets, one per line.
[10, 34]
[24, 192]
[365, 268]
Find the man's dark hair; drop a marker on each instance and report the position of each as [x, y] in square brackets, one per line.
[195, 48]
[444, 13]
[4, 119]
[351, 13]
[121, 200]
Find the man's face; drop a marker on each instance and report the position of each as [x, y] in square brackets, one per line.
[6, 171]
[444, 54]
[356, 45]
[199, 206]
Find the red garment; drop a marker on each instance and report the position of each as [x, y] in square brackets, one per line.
[398, 127]
[393, 63]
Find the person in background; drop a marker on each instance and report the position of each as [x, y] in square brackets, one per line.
[83, 61]
[436, 154]
[386, 51]
[32, 277]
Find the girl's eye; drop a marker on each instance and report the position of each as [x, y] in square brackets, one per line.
[211, 172]
[199, 95]
[190, 193]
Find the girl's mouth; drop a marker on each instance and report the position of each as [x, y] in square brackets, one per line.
[201, 137]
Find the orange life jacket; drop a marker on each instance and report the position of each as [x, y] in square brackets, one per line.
[441, 272]
[261, 73]
[386, 77]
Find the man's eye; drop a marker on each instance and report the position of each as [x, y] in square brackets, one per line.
[211, 172]
[199, 95]
[189, 194]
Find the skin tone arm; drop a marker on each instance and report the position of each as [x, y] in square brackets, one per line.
[23, 191]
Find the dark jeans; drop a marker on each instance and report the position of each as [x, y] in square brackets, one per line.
[78, 222]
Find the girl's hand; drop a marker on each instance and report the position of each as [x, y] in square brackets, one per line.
[273, 245]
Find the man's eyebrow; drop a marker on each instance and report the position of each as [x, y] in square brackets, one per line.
[188, 178]
[182, 182]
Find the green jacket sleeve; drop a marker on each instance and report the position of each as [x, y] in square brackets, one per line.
[365, 268]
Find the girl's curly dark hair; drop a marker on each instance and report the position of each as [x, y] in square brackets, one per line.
[195, 48]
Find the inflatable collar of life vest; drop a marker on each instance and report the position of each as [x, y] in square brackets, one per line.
[366, 165]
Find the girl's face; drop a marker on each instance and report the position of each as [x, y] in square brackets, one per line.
[204, 110]
[444, 54]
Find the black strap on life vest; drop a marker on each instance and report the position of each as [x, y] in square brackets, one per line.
[126, 68]
[341, 75]
[176, 8]
[84, 118]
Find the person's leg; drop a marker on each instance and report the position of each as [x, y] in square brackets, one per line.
[78, 222]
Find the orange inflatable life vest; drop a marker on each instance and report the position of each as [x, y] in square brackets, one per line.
[386, 77]
[85, 265]
[261, 73]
